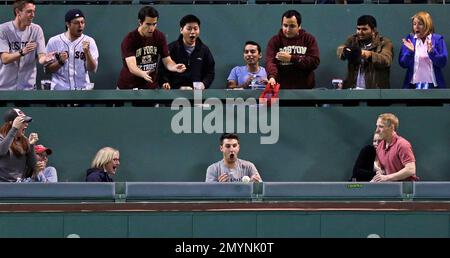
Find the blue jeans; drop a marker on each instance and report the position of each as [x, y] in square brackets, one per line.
[422, 86]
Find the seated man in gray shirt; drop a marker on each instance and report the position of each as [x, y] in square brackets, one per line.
[230, 168]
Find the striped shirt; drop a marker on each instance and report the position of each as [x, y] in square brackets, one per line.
[74, 74]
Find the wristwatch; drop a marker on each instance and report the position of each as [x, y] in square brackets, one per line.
[58, 58]
[21, 52]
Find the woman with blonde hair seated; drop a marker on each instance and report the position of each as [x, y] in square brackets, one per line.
[104, 165]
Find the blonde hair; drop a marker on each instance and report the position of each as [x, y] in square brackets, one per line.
[425, 18]
[377, 135]
[389, 120]
[103, 156]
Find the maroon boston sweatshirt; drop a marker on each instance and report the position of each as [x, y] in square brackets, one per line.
[299, 72]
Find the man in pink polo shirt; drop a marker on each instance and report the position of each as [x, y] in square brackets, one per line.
[395, 154]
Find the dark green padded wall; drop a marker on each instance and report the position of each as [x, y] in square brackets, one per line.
[250, 224]
[315, 144]
[226, 27]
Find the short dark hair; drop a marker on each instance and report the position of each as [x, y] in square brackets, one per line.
[188, 19]
[253, 43]
[292, 13]
[147, 11]
[228, 136]
[367, 20]
[20, 4]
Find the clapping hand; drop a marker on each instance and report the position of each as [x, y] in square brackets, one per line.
[33, 138]
[408, 44]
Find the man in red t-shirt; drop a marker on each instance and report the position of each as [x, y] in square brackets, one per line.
[394, 153]
[142, 49]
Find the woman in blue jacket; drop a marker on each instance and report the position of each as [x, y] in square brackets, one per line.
[423, 54]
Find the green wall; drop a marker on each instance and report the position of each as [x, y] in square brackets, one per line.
[276, 224]
[226, 27]
[315, 143]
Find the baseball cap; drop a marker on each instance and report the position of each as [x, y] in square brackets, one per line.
[41, 148]
[72, 14]
[12, 113]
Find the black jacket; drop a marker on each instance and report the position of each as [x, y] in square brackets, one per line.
[199, 65]
[363, 168]
[97, 175]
